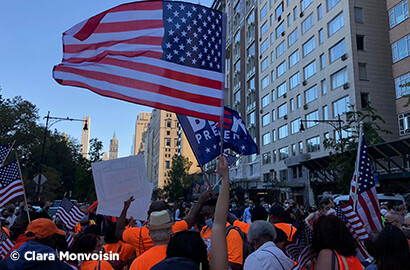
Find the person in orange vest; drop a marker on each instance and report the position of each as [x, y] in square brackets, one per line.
[334, 244]
[87, 244]
[126, 251]
[280, 219]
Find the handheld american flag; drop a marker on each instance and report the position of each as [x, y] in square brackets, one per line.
[69, 213]
[300, 250]
[11, 186]
[164, 54]
[363, 195]
[4, 152]
[5, 243]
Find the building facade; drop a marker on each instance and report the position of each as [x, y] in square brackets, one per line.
[85, 138]
[399, 33]
[141, 126]
[113, 154]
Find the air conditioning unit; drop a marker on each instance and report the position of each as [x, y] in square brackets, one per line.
[283, 34]
[344, 57]
[284, 95]
[346, 86]
[301, 14]
[305, 107]
[285, 117]
[304, 83]
[279, 18]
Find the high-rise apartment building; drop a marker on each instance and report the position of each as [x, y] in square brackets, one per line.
[141, 126]
[85, 137]
[399, 31]
[113, 154]
[317, 58]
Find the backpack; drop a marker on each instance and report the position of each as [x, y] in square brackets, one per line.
[247, 247]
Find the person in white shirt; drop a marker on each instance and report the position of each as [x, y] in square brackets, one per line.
[266, 255]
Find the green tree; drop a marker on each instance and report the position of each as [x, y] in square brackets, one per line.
[343, 150]
[180, 181]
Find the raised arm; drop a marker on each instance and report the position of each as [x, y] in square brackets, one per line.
[219, 251]
[119, 229]
[196, 209]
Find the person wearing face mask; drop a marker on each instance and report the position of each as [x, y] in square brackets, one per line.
[235, 211]
[325, 205]
[247, 217]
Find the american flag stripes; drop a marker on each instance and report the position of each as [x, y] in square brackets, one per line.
[5, 243]
[300, 250]
[69, 213]
[363, 195]
[230, 159]
[4, 152]
[353, 222]
[164, 54]
[11, 185]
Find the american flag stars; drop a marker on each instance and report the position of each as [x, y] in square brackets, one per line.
[198, 43]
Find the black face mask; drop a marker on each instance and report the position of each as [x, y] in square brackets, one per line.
[387, 224]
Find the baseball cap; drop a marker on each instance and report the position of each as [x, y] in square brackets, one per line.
[42, 228]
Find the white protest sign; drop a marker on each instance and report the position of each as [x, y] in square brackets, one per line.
[116, 181]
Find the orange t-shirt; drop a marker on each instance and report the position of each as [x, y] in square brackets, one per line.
[150, 258]
[233, 241]
[288, 229]
[95, 265]
[126, 250]
[242, 225]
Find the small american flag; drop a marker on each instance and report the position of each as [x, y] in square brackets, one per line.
[5, 244]
[300, 250]
[363, 195]
[204, 185]
[11, 186]
[69, 213]
[4, 152]
[163, 54]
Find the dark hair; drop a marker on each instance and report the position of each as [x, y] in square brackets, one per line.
[210, 202]
[324, 201]
[109, 236]
[392, 250]
[329, 232]
[92, 229]
[258, 213]
[371, 243]
[85, 243]
[188, 244]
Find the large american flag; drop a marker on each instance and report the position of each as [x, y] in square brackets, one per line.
[163, 54]
[69, 213]
[5, 243]
[363, 195]
[11, 186]
[4, 152]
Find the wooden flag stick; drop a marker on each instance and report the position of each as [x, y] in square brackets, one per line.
[22, 182]
[11, 148]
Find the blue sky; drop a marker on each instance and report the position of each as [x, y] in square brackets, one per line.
[31, 45]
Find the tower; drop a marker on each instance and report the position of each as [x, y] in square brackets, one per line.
[140, 129]
[113, 147]
[85, 138]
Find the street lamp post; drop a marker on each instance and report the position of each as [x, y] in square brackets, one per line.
[56, 120]
[336, 124]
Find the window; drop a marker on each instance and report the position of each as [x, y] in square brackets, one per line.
[311, 117]
[339, 78]
[283, 153]
[325, 113]
[282, 89]
[294, 80]
[358, 14]
[362, 71]
[309, 46]
[313, 144]
[167, 164]
[304, 4]
[295, 13]
[293, 58]
[266, 119]
[337, 51]
[322, 61]
[272, 57]
[274, 135]
[402, 90]
[293, 37]
[280, 29]
[311, 94]
[289, 19]
[237, 96]
[265, 101]
[279, 10]
[294, 154]
[292, 104]
[273, 115]
[335, 24]
[404, 124]
[364, 99]
[274, 155]
[295, 126]
[321, 37]
[341, 106]
[266, 158]
[360, 42]
[307, 23]
[168, 142]
[283, 131]
[264, 28]
[331, 4]
[324, 88]
[283, 175]
[401, 49]
[298, 101]
[266, 138]
[271, 20]
[280, 49]
[264, 11]
[282, 110]
[265, 81]
[398, 13]
[281, 69]
[300, 148]
[264, 45]
[319, 12]
[309, 70]
[265, 64]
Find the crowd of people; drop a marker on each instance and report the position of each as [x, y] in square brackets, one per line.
[214, 233]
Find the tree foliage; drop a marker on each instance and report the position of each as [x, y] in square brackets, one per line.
[180, 181]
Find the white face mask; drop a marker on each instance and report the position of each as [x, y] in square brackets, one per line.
[331, 212]
[286, 205]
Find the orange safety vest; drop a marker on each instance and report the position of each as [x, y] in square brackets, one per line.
[287, 228]
[77, 227]
[346, 263]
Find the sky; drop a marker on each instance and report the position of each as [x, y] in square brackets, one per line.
[31, 45]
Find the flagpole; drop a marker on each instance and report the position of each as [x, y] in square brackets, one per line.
[22, 182]
[206, 177]
[356, 170]
[11, 147]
